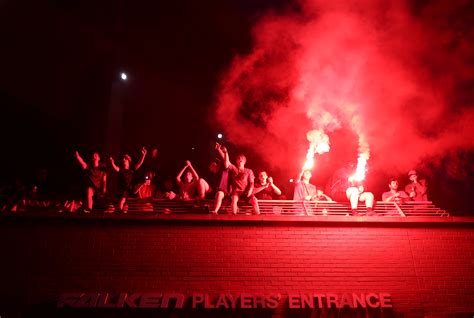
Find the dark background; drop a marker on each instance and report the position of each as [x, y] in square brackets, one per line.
[60, 65]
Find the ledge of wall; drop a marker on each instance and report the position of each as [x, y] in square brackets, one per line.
[274, 220]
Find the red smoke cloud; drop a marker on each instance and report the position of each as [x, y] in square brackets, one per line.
[389, 72]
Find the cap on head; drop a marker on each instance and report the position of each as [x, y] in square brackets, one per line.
[411, 173]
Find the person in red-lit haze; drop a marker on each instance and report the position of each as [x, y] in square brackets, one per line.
[305, 191]
[339, 183]
[355, 193]
[342, 189]
[126, 172]
[145, 191]
[416, 190]
[220, 173]
[191, 187]
[96, 179]
[242, 183]
[152, 164]
[264, 188]
[394, 195]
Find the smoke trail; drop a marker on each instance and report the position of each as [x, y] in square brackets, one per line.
[396, 75]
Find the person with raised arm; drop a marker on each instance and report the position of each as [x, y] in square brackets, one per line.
[221, 184]
[417, 191]
[191, 187]
[125, 177]
[96, 179]
[305, 191]
[264, 188]
[242, 183]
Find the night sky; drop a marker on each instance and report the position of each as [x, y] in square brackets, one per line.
[60, 86]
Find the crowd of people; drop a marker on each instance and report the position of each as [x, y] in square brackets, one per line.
[224, 180]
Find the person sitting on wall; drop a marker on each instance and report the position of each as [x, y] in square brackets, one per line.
[126, 173]
[220, 174]
[145, 191]
[355, 193]
[339, 183]
[417, 191]
[394, 195]
[343, 190]
[305, 191]
[242, 183]
[264, 188]
[96, 179]
[167, 189]
[191, 187]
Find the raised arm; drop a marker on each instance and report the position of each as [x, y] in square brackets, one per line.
[224, 154]
[274, 187]
[81, 161]
[219, 147]
[195, 175]
[112, 162]
[142, 159]
[298, 180]
[180, 173]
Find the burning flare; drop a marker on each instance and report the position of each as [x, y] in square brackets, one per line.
[364, 155]
[359, 175]
[318, 143]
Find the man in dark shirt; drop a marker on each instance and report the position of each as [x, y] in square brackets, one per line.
[220, 184]
[96, 179]
[264, 188]
[416, 190]
[126, 173]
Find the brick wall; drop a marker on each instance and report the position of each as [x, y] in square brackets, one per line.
[426, 266]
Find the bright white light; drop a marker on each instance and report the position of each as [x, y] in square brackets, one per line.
[219, 136]
[291, 180]
[123, 76]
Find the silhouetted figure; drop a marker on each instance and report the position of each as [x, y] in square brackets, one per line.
[417, 191]
[221, 185]
[264, 188]
[146, 191]
[191, 187]
[96, 179]
[125, 173]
